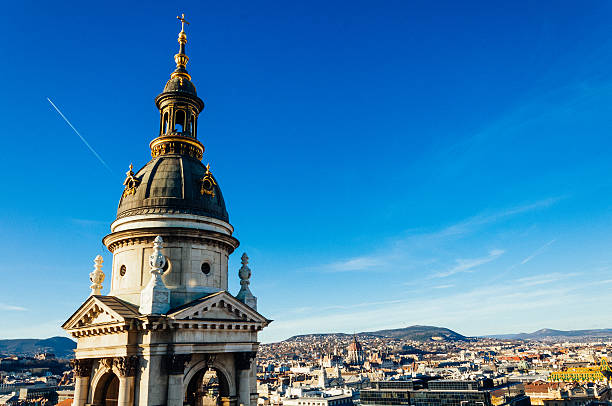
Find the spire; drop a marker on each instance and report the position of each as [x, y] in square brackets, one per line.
[181, 58]
[179, 107]
[322, 377]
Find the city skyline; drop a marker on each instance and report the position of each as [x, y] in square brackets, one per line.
[383, 167]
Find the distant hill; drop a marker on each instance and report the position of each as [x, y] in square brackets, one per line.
[62, 347]
[420, 333]
[415, 333]
[547, 333]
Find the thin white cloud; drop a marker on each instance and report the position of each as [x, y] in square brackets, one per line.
[364, 263]
[537, 252]
[466, 265]
[444, 286]
[470, 225]
[7, 307]
[545, 279]
[399, 256]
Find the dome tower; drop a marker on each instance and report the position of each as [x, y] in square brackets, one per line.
[176, 197]
[168, 325]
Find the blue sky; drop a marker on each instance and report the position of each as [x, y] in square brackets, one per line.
[384, 163]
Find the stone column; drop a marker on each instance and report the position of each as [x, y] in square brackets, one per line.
[82, 373]
[127, 367]
[253, 384]
[243, 376]
[176, 371]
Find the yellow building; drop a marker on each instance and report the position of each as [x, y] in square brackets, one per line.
[588, 374]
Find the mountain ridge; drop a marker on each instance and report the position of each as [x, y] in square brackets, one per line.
[544, 333]
[429, 333]
[62, 347]
[415, 333]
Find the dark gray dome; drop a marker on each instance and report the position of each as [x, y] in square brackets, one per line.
[180, 84]
[174, 184]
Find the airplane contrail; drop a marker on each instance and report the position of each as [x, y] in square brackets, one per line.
[80, 136]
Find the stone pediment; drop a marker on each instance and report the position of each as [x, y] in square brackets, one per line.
[99, 311]
[220, 306]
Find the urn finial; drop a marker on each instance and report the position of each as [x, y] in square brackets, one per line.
[157, 260]
[245, 272]
[155, 297]
[245, 295]
[97, 276]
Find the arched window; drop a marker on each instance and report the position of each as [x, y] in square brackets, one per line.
[165, 126]
[191, 126]
[179, 121]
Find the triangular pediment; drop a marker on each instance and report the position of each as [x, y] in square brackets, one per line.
[218, 306]
[100, 310]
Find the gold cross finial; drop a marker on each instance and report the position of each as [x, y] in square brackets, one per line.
[183, 21]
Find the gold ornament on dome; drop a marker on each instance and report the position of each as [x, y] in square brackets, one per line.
[131, 182]
[208, 183]
[176, 145]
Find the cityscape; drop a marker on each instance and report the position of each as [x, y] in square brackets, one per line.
[322, 204]
[418, 365]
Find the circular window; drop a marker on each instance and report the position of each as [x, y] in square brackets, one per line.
[122, 270]
[205, 268]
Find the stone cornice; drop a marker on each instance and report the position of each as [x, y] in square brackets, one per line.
[204, 324]
[170, 235]
[102, 329]
[165, 323]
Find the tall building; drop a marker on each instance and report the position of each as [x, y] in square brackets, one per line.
[169, 332]
[355, 356]
[444, 393]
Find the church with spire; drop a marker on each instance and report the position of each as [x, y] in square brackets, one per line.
[169, 332]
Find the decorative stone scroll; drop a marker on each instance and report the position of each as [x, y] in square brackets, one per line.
[175, 363]
[106, 363]
[82, 367]
[243, 359]
[127, 366]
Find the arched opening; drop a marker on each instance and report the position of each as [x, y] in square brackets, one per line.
[111, 392]
[191, 126]
[188, 125]
[165, 123]
[208, 387]
[179, 121]
[106, 392]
